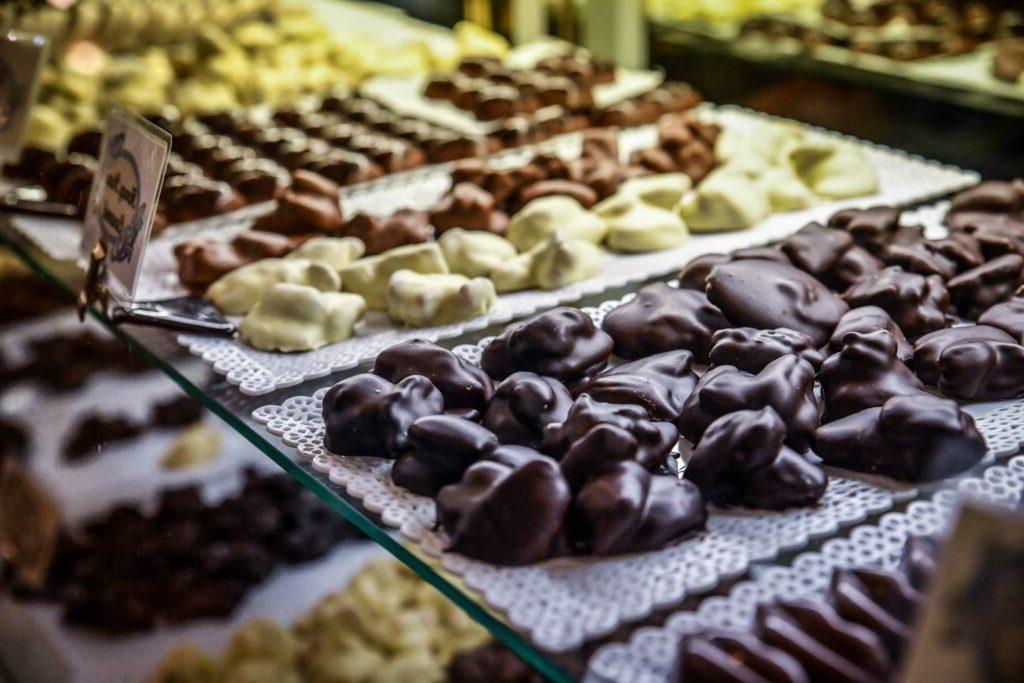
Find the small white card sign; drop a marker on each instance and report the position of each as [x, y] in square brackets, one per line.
[123, 198]
[22, 57]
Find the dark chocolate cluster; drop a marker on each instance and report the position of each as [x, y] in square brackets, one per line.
[64, 362]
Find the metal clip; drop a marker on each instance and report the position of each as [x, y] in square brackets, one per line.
[95, 288]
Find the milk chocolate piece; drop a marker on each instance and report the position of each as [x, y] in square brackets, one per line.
[469, 207]
[626, 509]
[1007, 316]
[785, 384]
[916, 303]
[546, 188]
[929, 348]
[441, 449]
[654, 439]
[816, 249]
[201, 262]
[189, 198]
[310, 205]
[910, 438]
[405, 226]
[661, 318]
[751, 349]
[740, 460]
[562, 343]
[523, 405]
[866, 372]
[868, 319]
[368, 415]
[978, 370]
[95, 432]
[975, 291]
[341, 166]
[508, 509]
[762, 294]
[463, 384]
[600, 143]
[659, 383]
[735, 657]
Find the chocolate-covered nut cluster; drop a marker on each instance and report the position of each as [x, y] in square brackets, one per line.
[463, 385]
[524, 405]
[659, 383]
[66, 361]
[130, 570]
[751, 350]
[858, 631]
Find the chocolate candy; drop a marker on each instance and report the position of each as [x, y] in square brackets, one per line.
[177, 411]
[469, 207]
[1007, 316]
[562, 343]
[658, 383]
[310, 205]
[547, 188]
[740, 460]
[868, 319]
[13, 441]
[462, 384]
[816, 249]
[492, 662]
[762, 294]
[508, 509]
[695, 274]
[982, 370]
[523, 405]
[661, 318]
[910, 438]
[95, 432]
[625, 509]
[875, 228]
[989, 197]
[405, 226]
[865, 373]
[189, 198]
[976, 290]
[201, 262]
[785, 384]
[368, 415]
[751, 350]
[65, 362]
[739, 657]
[930, 347]
[916, 303]
[441, 448]
[655, 440]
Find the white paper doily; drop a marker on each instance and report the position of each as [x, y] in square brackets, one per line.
[648, 656]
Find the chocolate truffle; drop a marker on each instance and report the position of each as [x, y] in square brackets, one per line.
[785, 384]
[368, 415]
[562, 343]
[94, 432]
[508, 509]
[866, 372]
[910, 438]
[762, 294]
[626, 509]
[661, 318]
[1007, 316]
[868, 319]
[751, 349]
[659, 383]
[523, 405]
[930, 347]
[916, 303]
[978, 370]
[976, 290]
[463, 384]
[469, 207]
[441, 449]
[405, 226]
[741, 460]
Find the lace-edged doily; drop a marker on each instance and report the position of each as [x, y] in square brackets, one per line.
[649, 654]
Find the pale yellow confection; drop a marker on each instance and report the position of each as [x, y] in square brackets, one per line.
[195, 445]
[47, 128]
[560, 261]
[785, 191]
[759, 147]
[724, 200]
[336, 252]
[515, 273]
[663, 190]
[238, 291]
[834, 170]
[474, 39]
[300, 318]
[263, 639]
[635, 225]
[188, 664]
[369, 276]
[474, 253]
[557, 213]
[437, 299]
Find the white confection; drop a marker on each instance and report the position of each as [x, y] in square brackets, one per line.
[368, 277]
[547, 215]
[334, 251]
[636, 226]
[724, 200]
[785, 191]
[559, 261]
[663, 190]
[238, 291]
[435, 299]
[474, 253]
[834, 170]
[299, 318]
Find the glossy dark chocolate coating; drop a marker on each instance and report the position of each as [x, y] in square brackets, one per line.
[928, 349]
[463, 384]
[740, 460]
[626, 509]
[867, 319]
[202, 261]
[917, 258]
[661, 318]
[911, 438]
[915, 302]
[762, 294]
[441, 448]
[855, 264]
[562, 343]
[695, 274]
[996, 234]
[750, 349]
[976, 290]
[785, 384]
[982, 370]
[816, 249]
[368, 415]
[735, 657]
[508, 509]
[865, 373]
[990, 196]
[659, 383]
[1007, 316]
[873, 228]
[523, 405]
